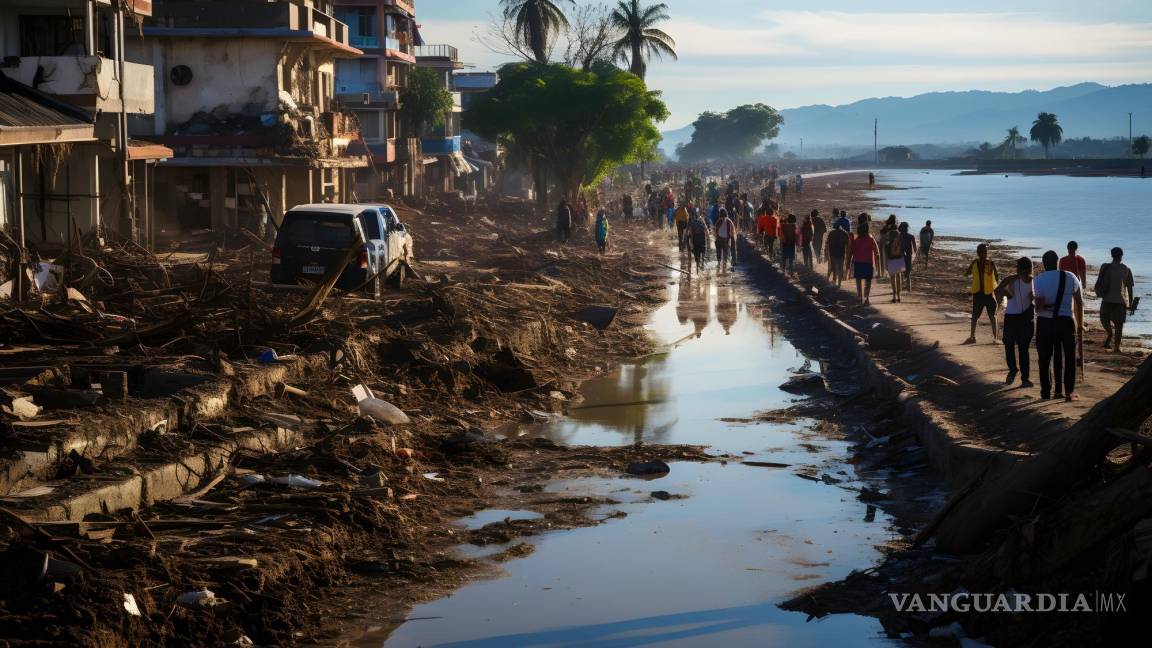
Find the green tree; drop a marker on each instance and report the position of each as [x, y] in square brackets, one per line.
[537, 23]
[1140, 145]
[424, 101]
[731, 135]
[1009, 144]
[641, 39]
[574, 125]
[1047, 131]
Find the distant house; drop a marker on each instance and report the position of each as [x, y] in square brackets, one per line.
[897, 154]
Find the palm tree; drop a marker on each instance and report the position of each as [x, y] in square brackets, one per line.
[1046, 131]
[1010, 142]
[641, 39]
[537, 21]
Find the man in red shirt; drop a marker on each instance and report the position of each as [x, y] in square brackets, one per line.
[1074, 263]
[767, 225]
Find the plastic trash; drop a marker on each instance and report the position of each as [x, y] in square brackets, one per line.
[378, 410]
[201, 598]
[433, 477]
[253, 479]
[268, 356]
[130, 605]
[296, 481]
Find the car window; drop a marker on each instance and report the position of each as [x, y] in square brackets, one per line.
[370, 222]
[328, 230]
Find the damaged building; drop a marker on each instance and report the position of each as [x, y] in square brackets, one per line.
[245, 98]
[67, 165]
[371, 86]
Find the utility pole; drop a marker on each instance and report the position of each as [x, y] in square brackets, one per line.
[876, 139]
[1130, 151]
[802, 147]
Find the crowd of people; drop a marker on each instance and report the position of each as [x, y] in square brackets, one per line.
[1042, 309]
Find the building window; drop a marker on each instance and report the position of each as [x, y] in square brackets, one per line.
[370, 125]
[51, 36]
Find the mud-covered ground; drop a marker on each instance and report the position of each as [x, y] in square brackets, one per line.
[493, 332]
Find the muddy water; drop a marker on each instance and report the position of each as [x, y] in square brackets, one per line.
[709, 565]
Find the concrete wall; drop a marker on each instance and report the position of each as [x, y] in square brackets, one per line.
[90, 81]
[75, 189]
[229, 75]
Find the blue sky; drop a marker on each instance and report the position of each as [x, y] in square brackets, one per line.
[788, 53]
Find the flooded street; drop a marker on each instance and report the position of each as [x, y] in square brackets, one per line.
[703, 555]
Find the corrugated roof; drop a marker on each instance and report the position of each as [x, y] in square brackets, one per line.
[22, 106]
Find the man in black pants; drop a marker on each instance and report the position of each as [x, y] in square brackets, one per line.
[1059, 319]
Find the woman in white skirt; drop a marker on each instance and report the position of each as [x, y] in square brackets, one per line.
[894, 261]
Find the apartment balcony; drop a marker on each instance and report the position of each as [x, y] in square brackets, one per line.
[439, 56]
[354, 93]
[406, 6]
[239, 18]
[90, 82]
[360, 41]
[440, 145]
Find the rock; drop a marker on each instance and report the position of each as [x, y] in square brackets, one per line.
[807, 383]
[662, 495]
[653, 467]
[463, 441]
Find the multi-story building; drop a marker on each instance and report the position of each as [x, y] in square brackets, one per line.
[370, 88]
[67, 164]
[245, 97]
[441, 145]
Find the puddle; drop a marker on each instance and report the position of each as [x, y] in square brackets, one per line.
[709, 564]
[488, 516]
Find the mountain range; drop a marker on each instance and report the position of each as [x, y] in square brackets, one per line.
[1084, 110]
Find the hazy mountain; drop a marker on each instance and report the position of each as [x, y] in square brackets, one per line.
[1084, 110]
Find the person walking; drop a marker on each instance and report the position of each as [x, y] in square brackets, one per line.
[1059, 320]
[889, 226]
[843, 222]
[799, 185]
[783, 191]
[602, 228]
[908, 244]
[807, 234]
[1114, 281]
[768, 225]
[982, 270]
[927, 236]
[1075, 263]
[819, 231]
[789, 238]
[627, 206]
[836, 247]
[865, 256]
[1019, 321]
[894, 253]
[697, 240]
[725, 235]
[683, 214]
[563, 222]
[871, 180]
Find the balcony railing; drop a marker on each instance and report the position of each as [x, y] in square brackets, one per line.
[438, 51]
[440, 145]
[352, 93]
[360, 41]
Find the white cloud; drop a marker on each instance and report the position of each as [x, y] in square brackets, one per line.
[965, 35]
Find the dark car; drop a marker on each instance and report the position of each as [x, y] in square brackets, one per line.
[314, 239]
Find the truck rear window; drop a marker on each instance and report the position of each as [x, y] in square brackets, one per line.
[327, 230]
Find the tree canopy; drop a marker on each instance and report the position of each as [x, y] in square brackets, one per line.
[1140, 145]
[537, 23]
[731, 135]
[577, 125]
[425, 100]
[640, 39]
[1047, 131]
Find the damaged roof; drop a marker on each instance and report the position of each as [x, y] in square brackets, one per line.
[28, 116]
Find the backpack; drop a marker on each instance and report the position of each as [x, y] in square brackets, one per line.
[1104, 281]
[895, 247]
[698, 227]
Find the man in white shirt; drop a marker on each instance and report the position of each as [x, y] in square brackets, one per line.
[1059, 319]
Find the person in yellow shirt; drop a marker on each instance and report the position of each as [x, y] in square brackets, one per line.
[984, 281]
[683, 213]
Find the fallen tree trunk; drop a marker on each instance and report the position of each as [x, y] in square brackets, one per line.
[1050, 474]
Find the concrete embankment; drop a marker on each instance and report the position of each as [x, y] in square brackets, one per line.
[957, 456]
